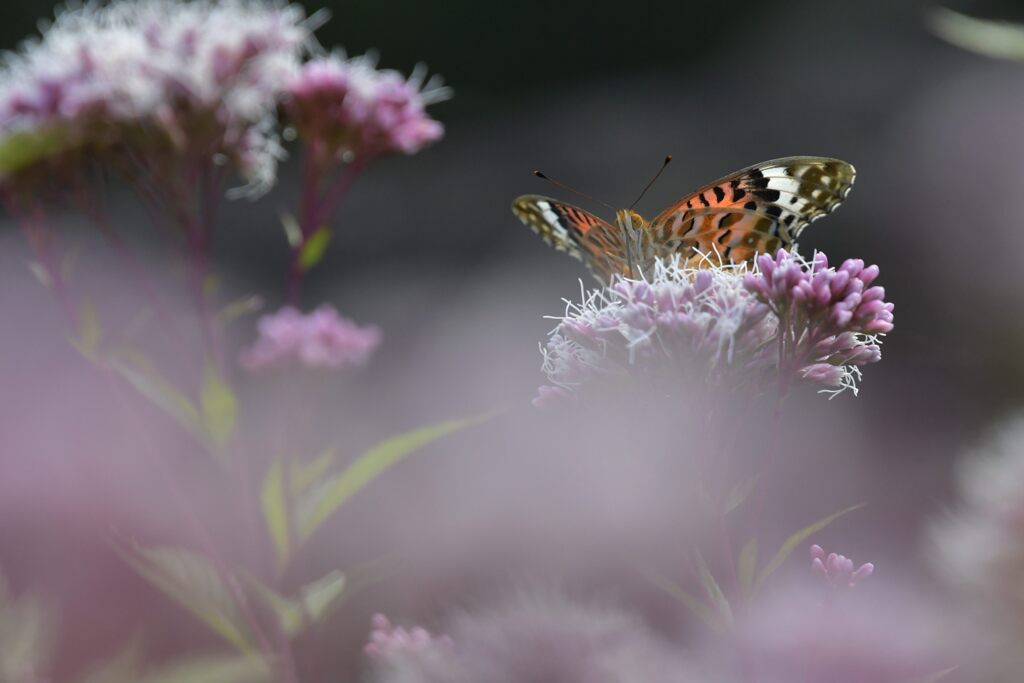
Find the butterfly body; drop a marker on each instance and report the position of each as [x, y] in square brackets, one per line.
[755, 210]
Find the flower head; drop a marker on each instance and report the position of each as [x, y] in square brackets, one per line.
[150, 78]
[792, 637]
[722, 325]
[979, 549]
[321, 339]
[351, 108]
[389, 641]
[539, 638]
[837, 569]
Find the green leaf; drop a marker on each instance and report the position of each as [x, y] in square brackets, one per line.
[274, 501]
[19, 150]
[314, 248]
[306, 474]
[290, 617]
[317, 601]
[688, 600]
[321, 595]
[213, 669]
[292, 231]
[796, 539]
[998, 39]
[220, 407]
[27, 637]
[713, 590]
[41, 273]
[90, 330]
[122, 668]
[193, 582]
[241, 307]
[739, 494]
[937, 676]
[746, 565]
[326, 499]
[146, 379]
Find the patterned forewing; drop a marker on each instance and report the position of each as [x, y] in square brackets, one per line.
[571, 229]
[758, 209]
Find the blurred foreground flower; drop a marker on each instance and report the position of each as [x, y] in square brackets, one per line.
[321, 339]
[388, 641]
[837, 569]
[349, 108]
[791, 637]
[158, 88]
[728, 326]
[979, 550]
[539, 638]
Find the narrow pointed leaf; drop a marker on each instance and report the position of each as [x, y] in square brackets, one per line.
[292, 231]
[326, 499]
[746, 565]
[739, 495]
[18, 150]
[241, 307]
[713, 590]
[289, 614]
[314, 248]
[90, 330]
[306, 474]
[213, 669]
[122, 668]
[192, 581]
[998, 39]
[937, 676]
[691, 602]
[274, 501]
[141, 374]
[27, 643]
[322, 595]
[220, 407]
[40, 273]
[796, 539]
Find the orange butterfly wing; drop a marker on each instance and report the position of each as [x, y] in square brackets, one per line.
[577, 232]
[755, 210]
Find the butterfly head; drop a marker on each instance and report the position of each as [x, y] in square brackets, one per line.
[630, 220]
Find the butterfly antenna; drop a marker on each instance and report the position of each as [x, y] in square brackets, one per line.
[668, 158]
[571, 189]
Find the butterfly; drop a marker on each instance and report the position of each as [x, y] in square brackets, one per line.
[755, 210]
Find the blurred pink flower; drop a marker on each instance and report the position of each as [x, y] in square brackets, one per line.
[321, 339]
[154, 79]
[792, 637]
[837, 569]
[540, 638]
[349, 107]
[388, 640]
[978, 549]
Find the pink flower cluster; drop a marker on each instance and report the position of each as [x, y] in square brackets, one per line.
[321, 339]
[837, 569]
[835, 300]
[353, 109]
[387, 640]
[725, 325]
[680, 321]
[528, 637]
[158, 79]
[827, 316]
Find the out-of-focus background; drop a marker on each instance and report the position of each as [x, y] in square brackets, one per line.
[426, 247]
